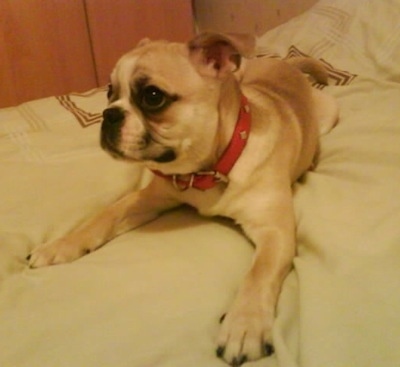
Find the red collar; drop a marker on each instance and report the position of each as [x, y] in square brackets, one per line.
[204, 180]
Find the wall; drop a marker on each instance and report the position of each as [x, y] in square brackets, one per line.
[246, 16]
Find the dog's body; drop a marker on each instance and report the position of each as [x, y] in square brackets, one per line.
[174, 107]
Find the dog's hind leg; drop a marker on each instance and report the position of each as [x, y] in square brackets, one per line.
[326, 111]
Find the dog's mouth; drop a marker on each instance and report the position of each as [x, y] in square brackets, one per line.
[144, 149]
[131, 147]
[168, 156]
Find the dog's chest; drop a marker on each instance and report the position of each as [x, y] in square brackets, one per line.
[207, 203]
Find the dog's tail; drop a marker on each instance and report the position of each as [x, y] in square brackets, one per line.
[310, 66]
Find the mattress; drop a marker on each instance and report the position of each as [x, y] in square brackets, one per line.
[153, 297]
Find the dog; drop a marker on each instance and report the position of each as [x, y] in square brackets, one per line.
[227, 133]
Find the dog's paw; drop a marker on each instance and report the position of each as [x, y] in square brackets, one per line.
[245, 335]
[57, 252]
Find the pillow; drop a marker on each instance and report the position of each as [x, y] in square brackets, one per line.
[362, 36]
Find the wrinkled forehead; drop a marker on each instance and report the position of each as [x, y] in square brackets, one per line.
[165, 65]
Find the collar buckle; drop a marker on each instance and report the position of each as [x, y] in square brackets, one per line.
[181, 184]
[185, 182]
[218, 176]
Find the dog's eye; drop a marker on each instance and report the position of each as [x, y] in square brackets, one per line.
[153, 98]
[109, 91]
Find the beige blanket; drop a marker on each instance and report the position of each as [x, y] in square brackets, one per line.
[153, 297]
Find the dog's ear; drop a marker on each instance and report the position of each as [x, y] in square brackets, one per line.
[218, 54]
[143, 42]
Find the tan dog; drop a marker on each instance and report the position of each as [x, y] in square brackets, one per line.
[180, 109]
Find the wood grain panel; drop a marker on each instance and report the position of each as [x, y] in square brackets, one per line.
[44, 48]
[117, 28]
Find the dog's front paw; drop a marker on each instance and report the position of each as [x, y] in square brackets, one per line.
[246, 334]
[58, 252]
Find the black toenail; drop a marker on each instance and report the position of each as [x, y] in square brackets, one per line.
[269, 349]
[243, 359]
[220, 351]
[28, 257]
[222, 318]
[238, 361]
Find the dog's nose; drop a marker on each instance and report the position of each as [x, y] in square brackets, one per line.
[113, 115]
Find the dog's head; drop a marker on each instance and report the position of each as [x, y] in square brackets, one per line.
[164, 101]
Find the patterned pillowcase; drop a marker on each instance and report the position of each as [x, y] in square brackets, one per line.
[362, 36]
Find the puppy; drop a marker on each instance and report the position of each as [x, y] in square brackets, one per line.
[227, 138]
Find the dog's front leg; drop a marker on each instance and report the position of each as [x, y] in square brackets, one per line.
[130, 211]
[246, 330]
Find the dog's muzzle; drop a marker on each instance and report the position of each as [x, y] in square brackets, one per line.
[143, 148]
[113, 119]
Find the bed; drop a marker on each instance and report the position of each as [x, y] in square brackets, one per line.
[153, 297]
